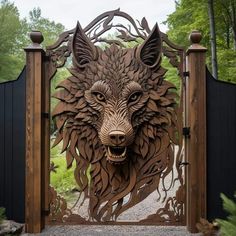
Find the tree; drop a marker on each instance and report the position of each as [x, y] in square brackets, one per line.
[49, 29]
[14, 36]
[10, 27]
[193, 14]
[12, 33]
[213, 39]
[229, 12]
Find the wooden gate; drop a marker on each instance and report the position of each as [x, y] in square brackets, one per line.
[121, 121]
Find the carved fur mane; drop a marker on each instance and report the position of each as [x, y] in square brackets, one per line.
[84, 117]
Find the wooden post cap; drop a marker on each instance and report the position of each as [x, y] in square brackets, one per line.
[195, 37]
[36, 37]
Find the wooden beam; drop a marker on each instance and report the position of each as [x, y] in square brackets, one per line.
[196, 144]
[34, 55]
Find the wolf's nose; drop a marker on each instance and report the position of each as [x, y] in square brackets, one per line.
[117, 137]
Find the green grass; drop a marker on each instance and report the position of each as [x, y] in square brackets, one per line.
[63, 180]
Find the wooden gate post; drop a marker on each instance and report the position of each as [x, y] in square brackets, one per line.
[34, 54]
[196, 143]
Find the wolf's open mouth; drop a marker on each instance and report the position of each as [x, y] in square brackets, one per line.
[116, 153]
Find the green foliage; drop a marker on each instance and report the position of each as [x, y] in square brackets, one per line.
[172, 73]
[227, 65]
[10, 27]
[193, 14]
[189, 15]
[10, 67]
[49, 29]
[14, 37]
[228, 227]
[12, 33]
[63, 180]
[2, 215]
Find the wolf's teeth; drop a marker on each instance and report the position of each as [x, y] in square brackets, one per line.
[109, 152]
[123, 154]
[115, 156]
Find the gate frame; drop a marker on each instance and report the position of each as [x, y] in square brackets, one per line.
[38, 70]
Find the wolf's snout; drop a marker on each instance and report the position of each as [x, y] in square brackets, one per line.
[117, 137]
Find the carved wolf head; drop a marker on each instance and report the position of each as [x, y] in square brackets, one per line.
[116, 109]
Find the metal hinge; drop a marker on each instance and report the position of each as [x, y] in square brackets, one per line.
[186, 132]
[186, 73]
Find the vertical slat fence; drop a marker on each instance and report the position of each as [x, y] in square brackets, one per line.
[12, 147]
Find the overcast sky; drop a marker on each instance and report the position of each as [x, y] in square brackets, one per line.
[68, 12]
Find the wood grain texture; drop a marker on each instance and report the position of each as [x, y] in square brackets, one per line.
[33, 139]
[196, 144]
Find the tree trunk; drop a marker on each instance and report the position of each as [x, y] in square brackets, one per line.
[233, 10]
[213, 39]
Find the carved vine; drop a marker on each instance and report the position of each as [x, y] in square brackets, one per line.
[61, 50]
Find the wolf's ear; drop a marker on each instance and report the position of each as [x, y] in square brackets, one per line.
[83, 49]
[150, 50]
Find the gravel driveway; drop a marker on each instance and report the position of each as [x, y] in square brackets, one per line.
[95, 230]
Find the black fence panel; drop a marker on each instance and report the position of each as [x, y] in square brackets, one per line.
[221, 144]
[12, 147]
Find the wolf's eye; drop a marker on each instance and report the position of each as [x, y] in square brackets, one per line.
[99, 96]
[134, 97]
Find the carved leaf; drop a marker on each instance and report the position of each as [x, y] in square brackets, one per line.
[81, 147]
[164, 88]
[152, 105]
[88, 151]
[61, 94]
[144, 149]
[58, 139]
[66, 139]
[81, 115]
[64, 84]
[150, 132]
[60, 121]
[69, 159]
[164, 101]
[81, 104]
[154, 95]
[58, 109]
[79, 94]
